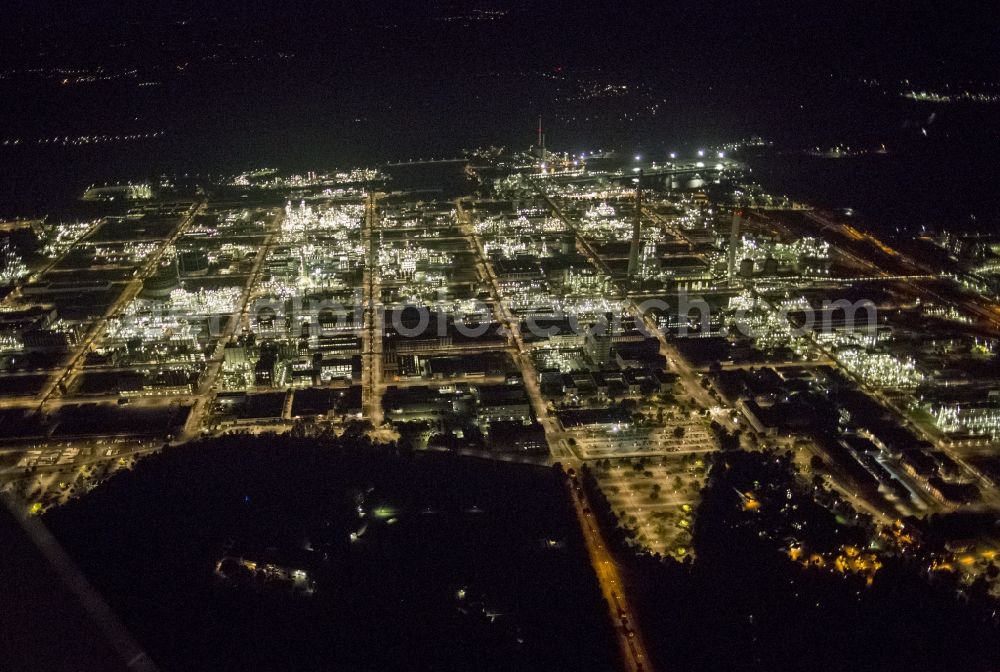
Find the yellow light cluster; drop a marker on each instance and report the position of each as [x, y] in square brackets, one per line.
[850, 560]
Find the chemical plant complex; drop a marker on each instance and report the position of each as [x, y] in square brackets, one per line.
[628, 314]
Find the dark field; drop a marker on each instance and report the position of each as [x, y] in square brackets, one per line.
[451, 568]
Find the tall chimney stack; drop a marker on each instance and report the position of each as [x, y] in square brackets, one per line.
[541, 141]
[734, 239]
[633, 253]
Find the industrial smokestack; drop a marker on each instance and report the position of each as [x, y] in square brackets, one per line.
[734, 239]
[633, 254]
[541, 141]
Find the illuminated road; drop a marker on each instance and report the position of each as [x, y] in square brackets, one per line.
[371, 372]
[557, 447]
[241, 321]
[633, 650]
[630, 639]
[689, 379]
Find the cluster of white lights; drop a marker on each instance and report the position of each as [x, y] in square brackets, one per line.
[203, 303]
[756, 249]
[976, 418]
[600, 210]
[127, 253]
[946, 313]
[12, 266]
[268, 179]
[278, 288]
[149, 328]
[881, 369]
[60, 238]
[612, 228]
[522, 225]
[395, 262]
[527, 296]
[305, 219]
[555, 358]
[587, 281]
[768, 327]
[588, 307]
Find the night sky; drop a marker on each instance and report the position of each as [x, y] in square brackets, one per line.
[236, 85]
